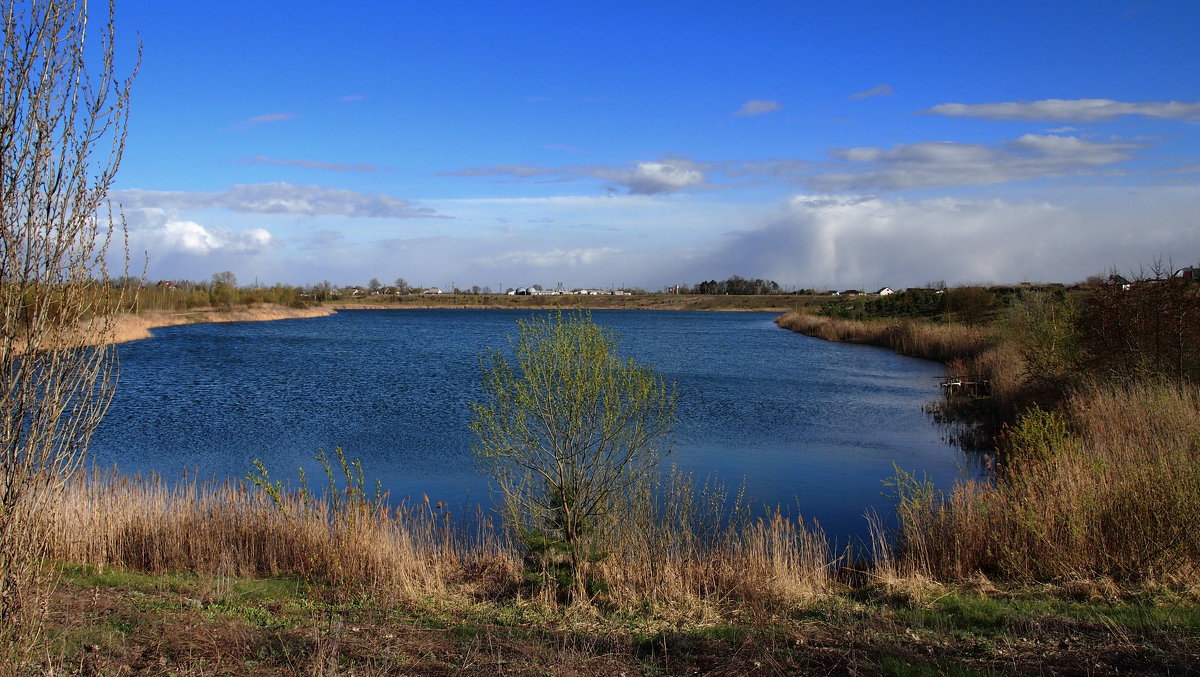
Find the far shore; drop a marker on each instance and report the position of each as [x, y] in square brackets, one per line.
[779, 303]
[136, 326]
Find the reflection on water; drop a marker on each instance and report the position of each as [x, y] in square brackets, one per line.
[808, 425]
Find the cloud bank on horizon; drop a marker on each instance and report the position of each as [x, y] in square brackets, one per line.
[726, 152]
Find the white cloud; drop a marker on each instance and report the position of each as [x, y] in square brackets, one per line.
[877, 90]
[650, 178]
[191, 237]
[1073, 110]
[945, 163]
[278, 198]
[758, 107]
[855, 241]
[161, 233]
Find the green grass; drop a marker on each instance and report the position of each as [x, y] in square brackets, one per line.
[281, 626]
[991, 616]
[907, 667]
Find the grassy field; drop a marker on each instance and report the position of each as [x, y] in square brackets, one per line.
[115, 622]
[233, 579]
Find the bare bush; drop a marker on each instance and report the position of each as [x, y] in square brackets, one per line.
[62, 132]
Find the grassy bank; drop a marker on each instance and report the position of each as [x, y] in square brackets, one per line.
[202, 579]
[136, 326]
[117, 622]
[1104, 490]
[979, 352]
[666, 554]
[1094, 479]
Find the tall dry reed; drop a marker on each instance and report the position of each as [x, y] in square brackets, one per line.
[927, 340]
[970, 351]
[230, 528]
[681, 542]
[689, 551]
[1118, 496]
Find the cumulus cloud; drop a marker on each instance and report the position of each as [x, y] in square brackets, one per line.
[163, 233]
[279, 198]
[877, 90]
[944, 163]
[264, 119]
[1070, 110]
[758, 107]
[651, 178]
[313, 164]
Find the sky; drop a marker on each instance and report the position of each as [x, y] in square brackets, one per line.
[822, 145]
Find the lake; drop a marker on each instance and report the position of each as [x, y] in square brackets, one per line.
[809, 425]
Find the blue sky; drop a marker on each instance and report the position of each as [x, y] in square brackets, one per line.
[839, 144]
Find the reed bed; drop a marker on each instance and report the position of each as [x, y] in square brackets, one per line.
[965, 350]
[690, 543]
[926, 340]
[1107, 490]
[686, 556]
[233, 529]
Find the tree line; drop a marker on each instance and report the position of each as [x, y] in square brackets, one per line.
[735, 285]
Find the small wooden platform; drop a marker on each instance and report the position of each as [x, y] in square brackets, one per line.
[969, 386]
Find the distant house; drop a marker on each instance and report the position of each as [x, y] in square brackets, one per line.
[886, 291]
[432, 290]
[1190, 274]
[1118, 281]
[850, 292]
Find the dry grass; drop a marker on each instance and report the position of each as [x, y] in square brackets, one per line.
[134, 327]
[233, 529]
[1118, 497]
[692, 546]
[976, 352]
[939, 342]
[684, 567]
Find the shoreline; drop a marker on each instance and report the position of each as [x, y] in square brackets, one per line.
[136, 326]
[128, 327]
[765, 303]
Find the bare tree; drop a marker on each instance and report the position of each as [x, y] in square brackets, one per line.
[62, 132]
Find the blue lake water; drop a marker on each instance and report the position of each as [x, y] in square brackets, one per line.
[808, 425]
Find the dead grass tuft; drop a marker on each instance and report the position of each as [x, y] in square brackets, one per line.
[1117, 497]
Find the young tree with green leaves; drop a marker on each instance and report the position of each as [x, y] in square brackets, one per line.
[567, 429]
